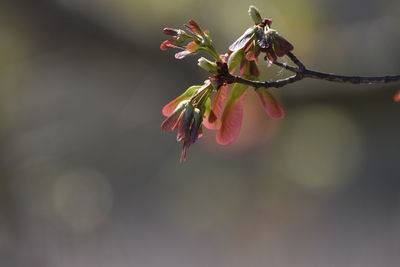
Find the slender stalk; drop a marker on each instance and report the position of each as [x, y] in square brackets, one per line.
[302, 72]
[350, 79]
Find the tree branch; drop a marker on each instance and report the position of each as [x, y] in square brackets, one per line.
[302, 72]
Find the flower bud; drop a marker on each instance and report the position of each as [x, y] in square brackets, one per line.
[208, 65]
[171, 32]
[197, 120]
[255, 15]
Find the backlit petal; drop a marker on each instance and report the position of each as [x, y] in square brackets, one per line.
[219, 100]
[243, 40]
[182, 54]
[195, 27]
[192, 46]
[281, 45]
[232, 116]
[169, 108]
[270, 104]
[171, 122]
[213, 116]
[210, 120]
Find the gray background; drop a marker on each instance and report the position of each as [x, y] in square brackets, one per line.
[88, 179]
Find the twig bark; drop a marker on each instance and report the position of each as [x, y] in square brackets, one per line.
[302, 72]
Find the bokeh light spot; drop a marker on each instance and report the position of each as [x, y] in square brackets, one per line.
[83, 199]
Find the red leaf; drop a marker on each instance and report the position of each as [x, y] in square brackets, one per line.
[270, 104]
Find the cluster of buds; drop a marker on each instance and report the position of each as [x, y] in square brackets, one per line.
[218, 104]
[185, 114]
[191, 42]
[259, 38]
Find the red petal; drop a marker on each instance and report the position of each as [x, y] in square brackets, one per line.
[184, 151]
[243, 40]
[270, 104]
[271, 56]
[192, 46]
[254, 69]
[282, 47]
[171, 31]
[232, 117]
[182, 54]
[219, 100]
[250, 56]
[171, 122]
[169, 108]
[211, 121]
[244, 68]
[195, 27]
[168, 44]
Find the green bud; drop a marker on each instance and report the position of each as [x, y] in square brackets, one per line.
[208, 65]
[234, 59]
[255, 15]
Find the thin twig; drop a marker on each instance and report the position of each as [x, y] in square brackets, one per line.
[350, 79]
[302, 72]
[256, 84]
[296, 61]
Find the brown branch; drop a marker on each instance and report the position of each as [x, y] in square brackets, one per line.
[256, 84]
[302, 72]
[350, 79]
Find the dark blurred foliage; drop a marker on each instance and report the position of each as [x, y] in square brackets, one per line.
[88, 179]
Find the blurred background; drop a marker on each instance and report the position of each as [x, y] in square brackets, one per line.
[88, 179]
